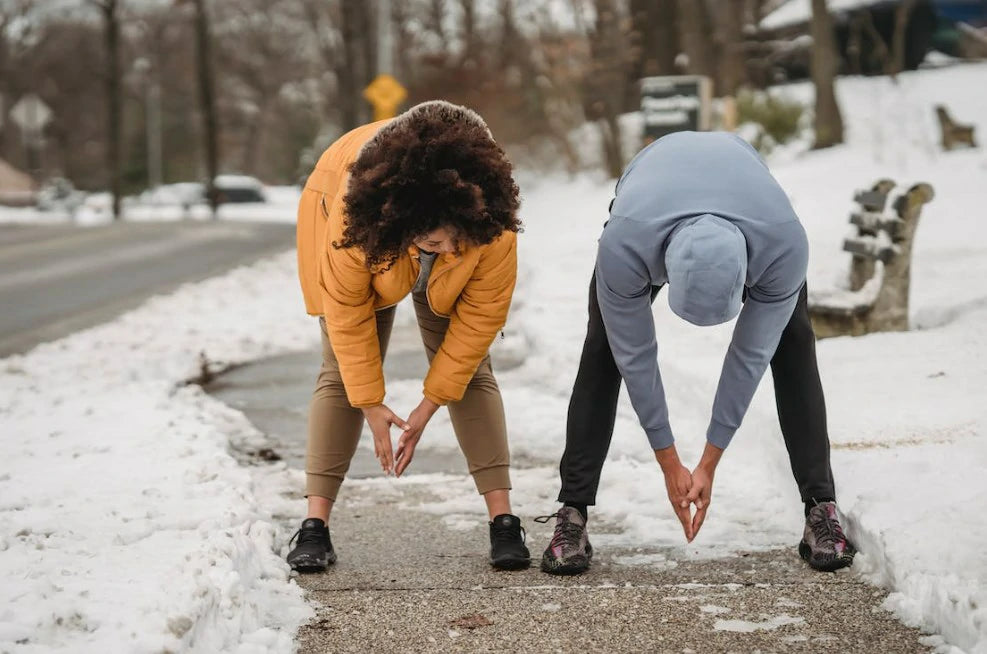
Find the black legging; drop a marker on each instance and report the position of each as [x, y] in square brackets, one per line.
[798, 395]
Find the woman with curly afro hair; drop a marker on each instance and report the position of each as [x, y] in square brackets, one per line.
[424, 204]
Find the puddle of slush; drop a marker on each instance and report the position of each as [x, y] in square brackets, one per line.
[274, 394]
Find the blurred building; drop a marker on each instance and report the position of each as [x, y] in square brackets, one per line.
[865, 30]
[16, 187]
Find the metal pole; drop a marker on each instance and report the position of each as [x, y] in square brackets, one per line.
[154, 149]
[32, 140]
[385, 52]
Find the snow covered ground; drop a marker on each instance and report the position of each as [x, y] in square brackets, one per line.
[167, 203]
[124, 518]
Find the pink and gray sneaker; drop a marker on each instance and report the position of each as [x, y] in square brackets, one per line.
[824, 546]
[569, 551]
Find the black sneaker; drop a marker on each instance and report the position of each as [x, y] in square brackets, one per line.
[314, 552]
[824, 546]
[507, 549]
[569, 551]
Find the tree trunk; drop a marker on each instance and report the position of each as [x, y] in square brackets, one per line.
[470, 49]
[655, 41]
[828, 121]
[729, 31]
[901, 15]
[695, 34]
[207, 100]
[358, 66]
[608, 75]
[114, 102]
[436, 12]
[404, 42]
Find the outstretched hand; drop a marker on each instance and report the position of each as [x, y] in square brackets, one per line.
[686, 489]
[380, 418]
[702, 484]
[699, 494]
[678, 482]
[412, 433]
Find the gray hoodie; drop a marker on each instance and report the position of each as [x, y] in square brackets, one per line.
[701, 213]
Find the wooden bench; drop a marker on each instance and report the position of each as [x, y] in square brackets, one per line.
[876, 299]
[953, 133]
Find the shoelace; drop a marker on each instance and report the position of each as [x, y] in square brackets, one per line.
[827, 530]
[565, 531]
[501, 533]
[307, 536]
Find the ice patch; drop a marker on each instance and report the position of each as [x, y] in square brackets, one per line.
[744, 626]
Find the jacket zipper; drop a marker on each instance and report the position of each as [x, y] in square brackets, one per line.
[431, 283]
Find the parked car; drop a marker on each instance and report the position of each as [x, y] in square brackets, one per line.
[239, 188]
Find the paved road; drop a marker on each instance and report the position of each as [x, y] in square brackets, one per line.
[58, 279]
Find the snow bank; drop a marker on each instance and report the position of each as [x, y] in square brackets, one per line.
[167, 203]
[794, 12]
[907, 418]
[124, 521]
[123, 517]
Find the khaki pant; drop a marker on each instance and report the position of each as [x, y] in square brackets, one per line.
[334, 426]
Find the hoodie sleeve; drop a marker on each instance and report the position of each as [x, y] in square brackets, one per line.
[624, 293]
[767, 311]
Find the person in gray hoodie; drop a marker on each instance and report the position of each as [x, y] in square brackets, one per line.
[700, 213]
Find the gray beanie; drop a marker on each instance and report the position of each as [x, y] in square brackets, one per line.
[706, 262]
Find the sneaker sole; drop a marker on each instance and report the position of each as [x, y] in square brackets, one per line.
[826, 566]
[510, 563]
[309, 566]
[573, 567]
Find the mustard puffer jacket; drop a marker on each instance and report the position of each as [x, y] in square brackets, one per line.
[473, 289]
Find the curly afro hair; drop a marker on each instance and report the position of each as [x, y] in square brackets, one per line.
[435, 166]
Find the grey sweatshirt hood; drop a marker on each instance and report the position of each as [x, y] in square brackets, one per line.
[700, 214]
[706, 263]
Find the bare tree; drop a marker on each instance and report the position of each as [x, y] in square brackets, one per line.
[470, 45]
[696, 35]
[267, 58]
[435, 16]
[359, 64]
[113, 80]
[207, 99]
[828, 121]
[902, 14]
[654, 25]
[405, 38]
[606, 80]
[730, 18]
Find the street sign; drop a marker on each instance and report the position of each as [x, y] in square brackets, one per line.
[31, 114]
[386, 94]
[675, 103]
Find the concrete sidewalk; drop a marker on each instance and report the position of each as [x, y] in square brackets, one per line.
[407, 582]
